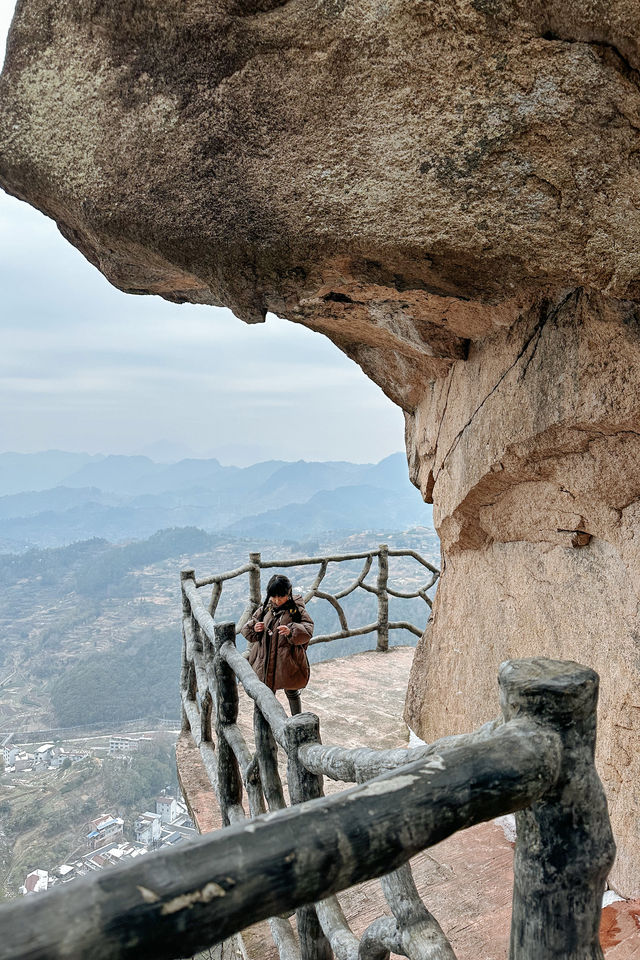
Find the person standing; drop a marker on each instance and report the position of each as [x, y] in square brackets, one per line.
[278, 634]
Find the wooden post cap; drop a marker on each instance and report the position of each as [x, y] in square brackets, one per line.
[555, 691]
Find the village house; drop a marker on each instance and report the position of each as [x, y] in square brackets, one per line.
[167, 808]
[7, 749]
[60, 755]
[127, 744]
[148, 828]
[104, 830]
[36, 882]
[44, 753]
[111, 855]
[65, 872]
[21, 761]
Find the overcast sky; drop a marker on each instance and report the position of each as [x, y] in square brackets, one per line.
[84, 367]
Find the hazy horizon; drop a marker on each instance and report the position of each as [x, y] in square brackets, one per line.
[177, 456]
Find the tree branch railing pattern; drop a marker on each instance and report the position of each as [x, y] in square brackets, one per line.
[538, 695]
[382, 590]
[536, 762]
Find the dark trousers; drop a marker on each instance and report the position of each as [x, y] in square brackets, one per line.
[295, 704]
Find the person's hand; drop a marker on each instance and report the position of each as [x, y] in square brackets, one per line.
[259, 626]
[284, 630]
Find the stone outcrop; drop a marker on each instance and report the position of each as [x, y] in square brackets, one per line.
[531, 453]
[450, 190]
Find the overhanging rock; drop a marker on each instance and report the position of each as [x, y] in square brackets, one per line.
[449, 189]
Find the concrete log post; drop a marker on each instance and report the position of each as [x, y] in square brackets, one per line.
[383, 598]
[216, 592]
[565, 847]
[267, 754]
[299, 730]
[187, 674]
[206, 718]
[187, 574]
[255, 588]
[229, 778]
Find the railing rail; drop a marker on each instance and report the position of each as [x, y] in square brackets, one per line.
[526, 756]
[381, 589]
[537, 763]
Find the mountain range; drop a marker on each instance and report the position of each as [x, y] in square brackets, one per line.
[55, 498]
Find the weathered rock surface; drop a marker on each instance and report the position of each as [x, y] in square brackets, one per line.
[450, 190]
[532, 457]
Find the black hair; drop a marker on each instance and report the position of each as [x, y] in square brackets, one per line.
[280, 586]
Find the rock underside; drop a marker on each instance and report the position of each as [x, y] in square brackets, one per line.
[450, 191]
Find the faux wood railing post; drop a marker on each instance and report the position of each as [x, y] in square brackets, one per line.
[229, 777]
[565, 848]
[187, 676]
[303, 729]
[383, 598]
[255, 589]
[186, 574]
[267, 754]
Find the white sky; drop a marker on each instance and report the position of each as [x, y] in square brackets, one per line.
[85, 367]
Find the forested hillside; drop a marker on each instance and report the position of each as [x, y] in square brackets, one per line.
[92, 631]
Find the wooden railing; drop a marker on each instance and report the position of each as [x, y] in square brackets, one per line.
[537, 761]
[381, 589]
[539, 756]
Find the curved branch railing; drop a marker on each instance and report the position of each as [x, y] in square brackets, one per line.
[537, 762]
[525, 751]
[381, 589]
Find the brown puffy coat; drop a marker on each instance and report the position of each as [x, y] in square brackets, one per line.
[280, 662]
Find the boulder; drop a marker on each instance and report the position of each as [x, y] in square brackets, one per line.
[449, 190]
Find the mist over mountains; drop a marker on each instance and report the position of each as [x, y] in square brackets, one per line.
[55, 498]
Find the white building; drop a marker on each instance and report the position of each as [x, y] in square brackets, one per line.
[148, 828]
[23, 761]
[61, 755]
[127, 744]
[37, 881]
[167, 807]
[123, 745]
[8, 749]
[104, 830]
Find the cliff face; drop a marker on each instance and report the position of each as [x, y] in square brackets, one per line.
[531, 451]
[450, 191]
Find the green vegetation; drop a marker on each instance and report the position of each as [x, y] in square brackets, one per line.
[134, 782]
[98, 569]
[135, 679]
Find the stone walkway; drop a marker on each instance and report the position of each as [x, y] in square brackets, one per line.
[465, 881]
